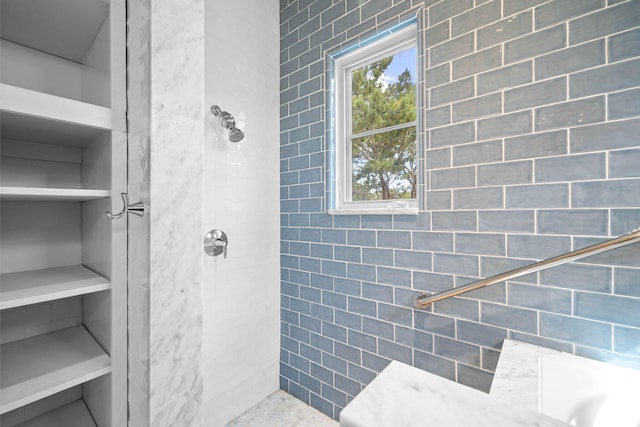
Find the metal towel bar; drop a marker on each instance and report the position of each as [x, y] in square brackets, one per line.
[423, 301]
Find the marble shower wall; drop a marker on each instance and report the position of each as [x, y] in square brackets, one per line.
[167, 145]
[242, 292]
[165, 75]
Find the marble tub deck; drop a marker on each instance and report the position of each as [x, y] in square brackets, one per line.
[517, 373]
[281, 409]
[431, 400]
[515, 383]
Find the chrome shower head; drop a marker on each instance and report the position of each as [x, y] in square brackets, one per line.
[228, 122]
[236, 135]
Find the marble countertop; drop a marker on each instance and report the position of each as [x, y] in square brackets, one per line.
[516, 377]
[406, 396]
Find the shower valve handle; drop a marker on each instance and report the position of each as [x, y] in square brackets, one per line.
[215, 243]
[221, 244]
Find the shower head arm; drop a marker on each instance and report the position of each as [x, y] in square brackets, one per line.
[215, 110]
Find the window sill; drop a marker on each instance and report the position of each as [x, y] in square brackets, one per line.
[375, 211]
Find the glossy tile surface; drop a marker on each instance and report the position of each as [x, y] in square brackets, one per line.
[241, 196]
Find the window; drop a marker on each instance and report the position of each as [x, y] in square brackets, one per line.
[375, 138]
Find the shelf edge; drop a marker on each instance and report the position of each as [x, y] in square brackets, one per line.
[32, 103]
[63, 416]
[57, 387]
[44, 193]
[7, 301]
[29, 390]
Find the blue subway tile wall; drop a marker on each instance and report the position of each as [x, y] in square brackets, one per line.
[532, 122]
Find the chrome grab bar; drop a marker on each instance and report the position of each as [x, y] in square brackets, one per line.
[423, 300]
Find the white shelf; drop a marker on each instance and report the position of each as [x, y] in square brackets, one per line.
[37, 367]
[51, 194]
[63, 129]
[68, 35]
[74, 414]
[27, 102]
[32, 287]
[18, 127]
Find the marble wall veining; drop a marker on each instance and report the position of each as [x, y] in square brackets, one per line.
[203, 338]
[175, 256]
[242, 292]
[165, 171]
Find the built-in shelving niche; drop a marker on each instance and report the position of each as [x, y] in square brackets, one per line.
[62, 165]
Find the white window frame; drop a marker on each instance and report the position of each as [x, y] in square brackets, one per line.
[387, 45]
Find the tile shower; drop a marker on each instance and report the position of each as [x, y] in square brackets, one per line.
[532, 116]
[192, 317]
[241, 293]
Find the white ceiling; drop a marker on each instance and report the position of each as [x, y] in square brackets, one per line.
[64, 28]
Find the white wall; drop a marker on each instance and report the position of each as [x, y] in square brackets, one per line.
[242, 292]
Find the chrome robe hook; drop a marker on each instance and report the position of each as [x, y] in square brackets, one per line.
[135, 208]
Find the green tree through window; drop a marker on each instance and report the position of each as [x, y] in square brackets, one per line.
[383, 132]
